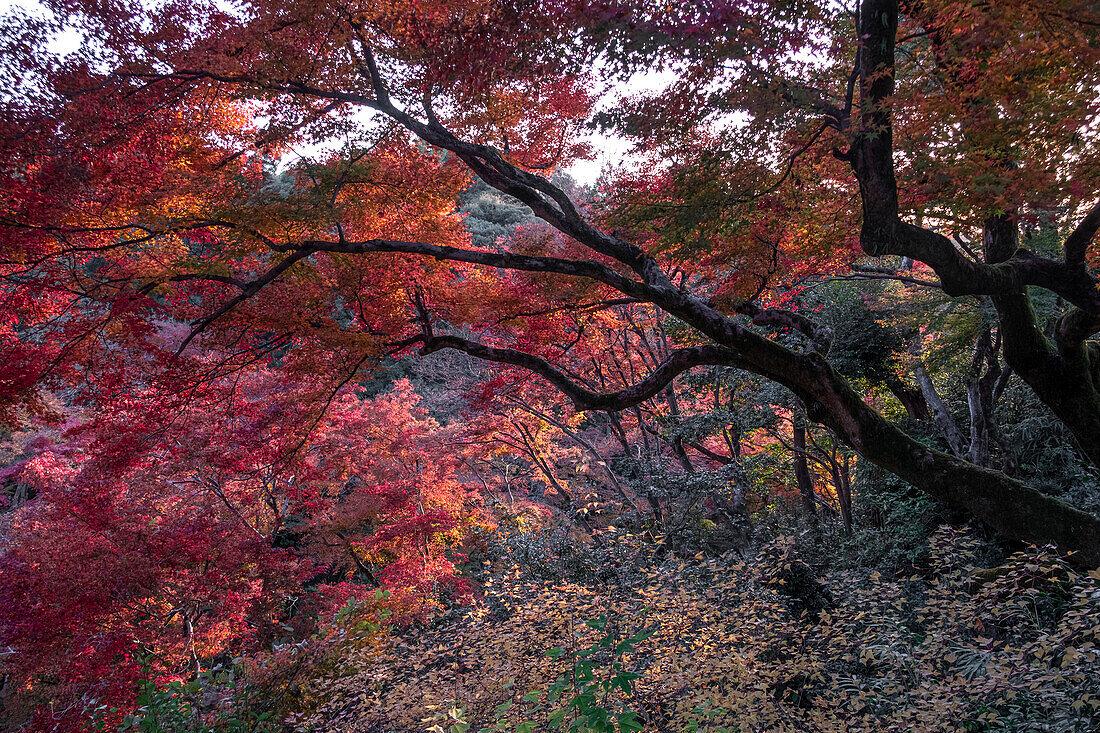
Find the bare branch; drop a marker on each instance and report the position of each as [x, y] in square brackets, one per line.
[247, 292]
[235, 282]
[885, 273]
[590, 269]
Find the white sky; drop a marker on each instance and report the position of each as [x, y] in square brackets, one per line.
[615, 151]
[611, 152]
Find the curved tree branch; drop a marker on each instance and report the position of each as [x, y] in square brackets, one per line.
[678, 362]
[506, 260]
[1077, 243]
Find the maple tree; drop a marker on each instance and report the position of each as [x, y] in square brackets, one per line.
[493, 88]
[183, 544]
[222, 221]
[199, 189]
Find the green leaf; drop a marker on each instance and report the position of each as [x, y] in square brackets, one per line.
[628, 721]
[598, 624]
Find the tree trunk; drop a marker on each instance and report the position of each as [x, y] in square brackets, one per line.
[842, 480]
[802, 468]
[1009, 507]
[942, 419]
[676, 441]
[979, 435]
[911, 398]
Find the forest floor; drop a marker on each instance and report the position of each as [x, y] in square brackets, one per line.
[646, 643]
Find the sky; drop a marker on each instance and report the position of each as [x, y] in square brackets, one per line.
[611, 150]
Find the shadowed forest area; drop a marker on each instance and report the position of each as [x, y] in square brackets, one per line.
[349, 383]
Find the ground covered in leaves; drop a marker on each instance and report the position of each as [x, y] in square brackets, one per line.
[645, 642]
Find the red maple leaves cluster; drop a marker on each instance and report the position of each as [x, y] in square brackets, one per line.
[168, 528]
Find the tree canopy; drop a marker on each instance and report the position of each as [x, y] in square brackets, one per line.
[220, 225]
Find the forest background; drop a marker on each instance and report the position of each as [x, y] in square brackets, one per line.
[331, 401]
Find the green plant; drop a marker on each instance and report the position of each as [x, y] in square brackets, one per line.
[454, 719]
[584, 699]
[176, 706]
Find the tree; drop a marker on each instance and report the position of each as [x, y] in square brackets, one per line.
[162, 536]
[136, 193]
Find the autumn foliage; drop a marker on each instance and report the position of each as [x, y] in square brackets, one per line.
[313, 354]
[721, 645]
[186, 538]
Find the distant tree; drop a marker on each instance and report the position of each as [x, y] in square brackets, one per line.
[490, 215]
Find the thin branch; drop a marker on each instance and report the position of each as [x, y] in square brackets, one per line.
[247, 292]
